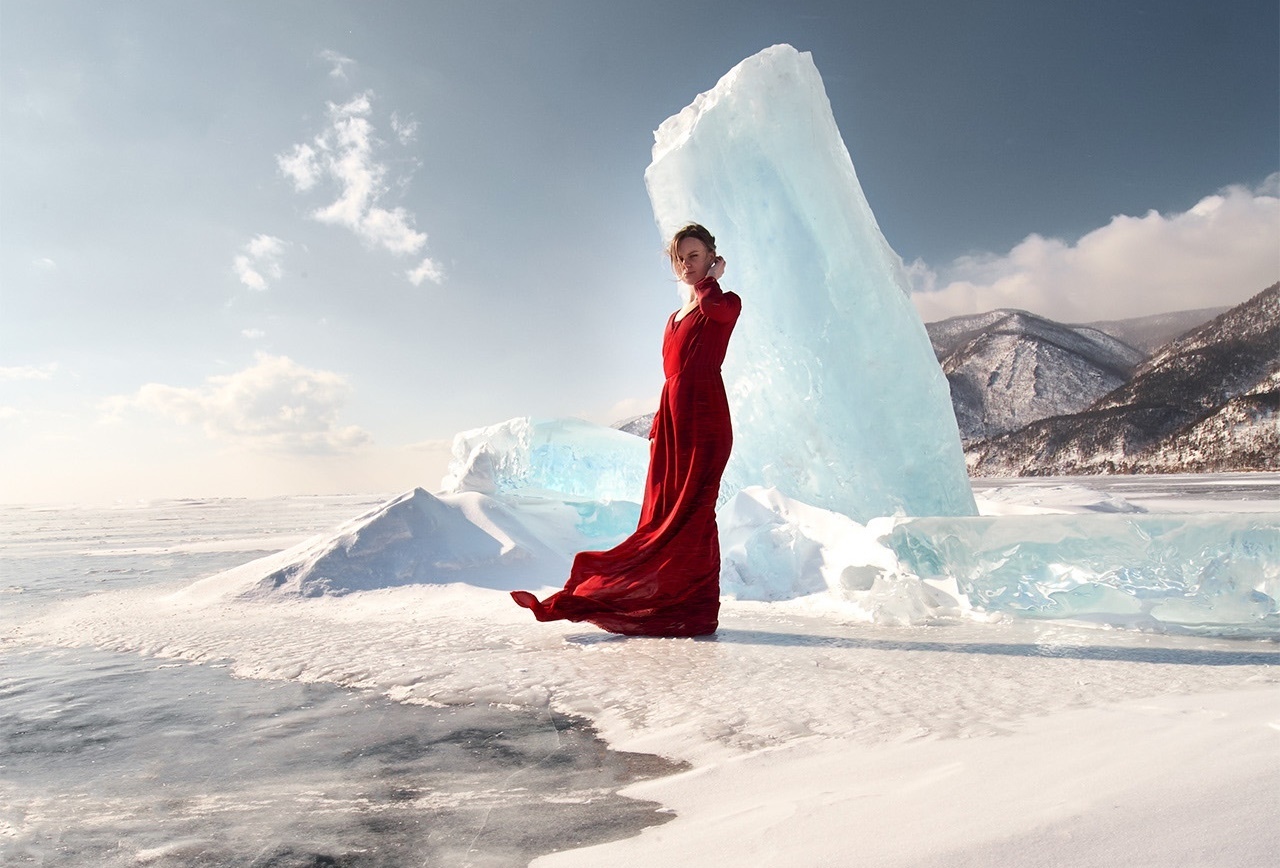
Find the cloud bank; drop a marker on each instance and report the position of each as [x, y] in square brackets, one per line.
[1222, 251]
[28, 372]
[275, 405]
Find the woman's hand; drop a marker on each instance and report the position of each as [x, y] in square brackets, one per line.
[717, 268]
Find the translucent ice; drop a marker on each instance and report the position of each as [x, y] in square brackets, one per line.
[1217, 573]
[775, 549]
[567, 456]
[836, 395]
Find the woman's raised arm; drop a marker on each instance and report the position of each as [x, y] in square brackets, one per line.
[716, 304]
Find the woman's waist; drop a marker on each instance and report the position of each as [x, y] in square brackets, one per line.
[695, 373]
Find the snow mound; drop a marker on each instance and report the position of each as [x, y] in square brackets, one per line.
[416, 538]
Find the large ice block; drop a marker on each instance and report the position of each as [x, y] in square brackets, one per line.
[1213, 573]
[1210, 574]
[836, 395]
[570, 457]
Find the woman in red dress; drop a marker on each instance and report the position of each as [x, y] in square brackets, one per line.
[664, 579]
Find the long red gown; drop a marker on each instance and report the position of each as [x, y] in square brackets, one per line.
[664, 579]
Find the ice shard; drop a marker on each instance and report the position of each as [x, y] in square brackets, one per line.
[837, 398]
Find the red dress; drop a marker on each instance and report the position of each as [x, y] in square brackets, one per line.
[664, 579]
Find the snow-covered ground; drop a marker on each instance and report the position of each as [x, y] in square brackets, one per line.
[813, 739]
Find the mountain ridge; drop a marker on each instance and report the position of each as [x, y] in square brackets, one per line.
[1019, 367]
[1207, 400]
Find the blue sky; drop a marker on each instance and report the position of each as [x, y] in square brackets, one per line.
[292, 247]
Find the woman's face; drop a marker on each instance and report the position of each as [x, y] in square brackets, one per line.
[693, 260]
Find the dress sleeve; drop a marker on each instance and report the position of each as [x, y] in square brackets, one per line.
[715, 304]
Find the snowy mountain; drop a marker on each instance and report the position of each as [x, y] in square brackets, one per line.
[1249, 424]
[637, 425]
[1150, 333]
[1008, 368]
[1206, 401]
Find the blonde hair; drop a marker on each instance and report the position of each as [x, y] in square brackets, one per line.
[689, 230]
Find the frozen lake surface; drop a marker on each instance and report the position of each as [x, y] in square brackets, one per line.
[114, 758]
[439, 725]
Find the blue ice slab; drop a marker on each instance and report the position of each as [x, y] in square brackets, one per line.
[837, 398]
[568, 457]
[1215, 573]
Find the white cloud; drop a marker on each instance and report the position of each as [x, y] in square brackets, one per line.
[259, 263]
[428, 269]
[302, 165]
[344, 154]
[11, 414]
[28, 372]
[44, 263]
[253, 334]
[1221, 251]
[338, 63]
[406, 131]
[275, 405]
